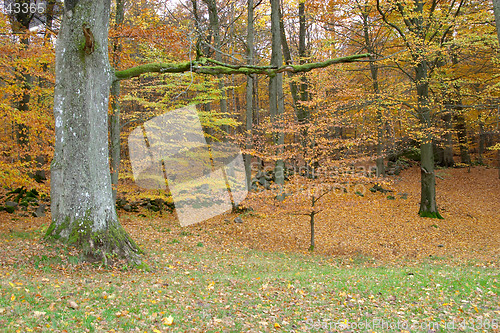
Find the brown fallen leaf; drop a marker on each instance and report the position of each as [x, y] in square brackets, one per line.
[52, 306]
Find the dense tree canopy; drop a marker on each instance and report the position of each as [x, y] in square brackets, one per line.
[414, 80]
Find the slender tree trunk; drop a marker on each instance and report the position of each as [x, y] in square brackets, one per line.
[444, 147]
[496, 10]
[276, 103]
[299, 92]
[311, 224]
[20, 25]
[215, 31]
[114, 138]
[83, 211]
[114, 120]
[287, 55]
[498, 160]
[463, 142]
[428, 206]
[249, 94]
[303, 110]
[312, 214]
[376, 90]
[481, 140]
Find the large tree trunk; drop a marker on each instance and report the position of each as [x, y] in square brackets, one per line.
[83, 211]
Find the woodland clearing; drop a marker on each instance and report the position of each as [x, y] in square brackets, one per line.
[375, 259]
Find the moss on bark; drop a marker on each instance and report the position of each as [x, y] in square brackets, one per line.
[433, 215]
[105, 245]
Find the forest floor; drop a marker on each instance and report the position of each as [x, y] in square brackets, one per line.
[375, 260]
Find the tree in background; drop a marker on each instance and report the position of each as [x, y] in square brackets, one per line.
[26, 80]
[424, 28]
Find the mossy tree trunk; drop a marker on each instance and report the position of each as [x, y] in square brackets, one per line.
[83, 210]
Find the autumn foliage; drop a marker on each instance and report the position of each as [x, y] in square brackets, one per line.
[339, 122]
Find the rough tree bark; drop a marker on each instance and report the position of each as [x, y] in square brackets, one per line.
[83, 211]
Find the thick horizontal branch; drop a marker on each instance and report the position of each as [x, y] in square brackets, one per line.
[202, 66]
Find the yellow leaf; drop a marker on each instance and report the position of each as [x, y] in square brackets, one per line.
[276, 325]
[168, 320]
[13, 298]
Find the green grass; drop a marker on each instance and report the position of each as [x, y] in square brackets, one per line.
[249, 291]
[19, 234]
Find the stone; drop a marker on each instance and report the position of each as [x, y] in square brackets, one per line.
[40, 211]
[238, 220]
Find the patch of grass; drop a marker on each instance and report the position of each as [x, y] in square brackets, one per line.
[20, 234]
[205, 290]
